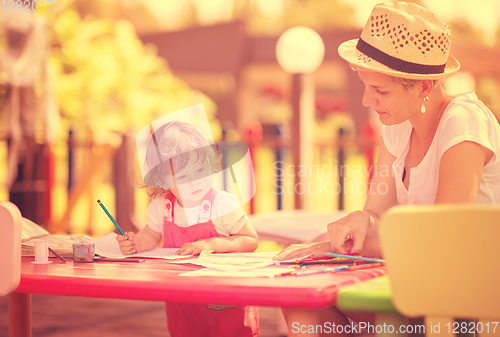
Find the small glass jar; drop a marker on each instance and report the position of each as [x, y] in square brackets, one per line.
[83, 252]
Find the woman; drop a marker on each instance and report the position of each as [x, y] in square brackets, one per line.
[435, 148]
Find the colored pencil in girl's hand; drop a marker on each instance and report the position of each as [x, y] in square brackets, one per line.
[109, 215]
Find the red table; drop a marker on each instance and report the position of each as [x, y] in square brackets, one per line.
[158, 280]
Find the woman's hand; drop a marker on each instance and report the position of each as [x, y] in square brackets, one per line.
[127, 243]
[351, 227]
[296, 251]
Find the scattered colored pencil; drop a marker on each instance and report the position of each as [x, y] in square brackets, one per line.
[365, 266]
[304, 258]
[107, 259]
[367, 259]
[57, 255]
[302, 272]
[330, 261]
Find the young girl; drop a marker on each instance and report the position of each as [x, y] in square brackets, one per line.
[189, 213]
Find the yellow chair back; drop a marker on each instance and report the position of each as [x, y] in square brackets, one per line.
[443, 261]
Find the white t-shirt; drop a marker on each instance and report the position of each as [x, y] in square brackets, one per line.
[227, 215]
[464, 119]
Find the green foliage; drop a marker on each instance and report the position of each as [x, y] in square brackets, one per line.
[107, 80]
[135, 12]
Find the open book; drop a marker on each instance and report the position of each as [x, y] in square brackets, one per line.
[61, 243]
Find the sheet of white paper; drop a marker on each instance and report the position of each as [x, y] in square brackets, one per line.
[233, 262]
[107, 246]
[270, 271]
[182, 261]
[236, 266]
[299, 225]
[161, 253]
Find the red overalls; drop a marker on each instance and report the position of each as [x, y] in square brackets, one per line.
[193, 319]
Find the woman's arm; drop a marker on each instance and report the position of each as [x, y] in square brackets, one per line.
[382, 193]
[381, 197]
[246, 240]
[349, 234]
[460, 172]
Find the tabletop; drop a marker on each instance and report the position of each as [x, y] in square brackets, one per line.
[159, 280]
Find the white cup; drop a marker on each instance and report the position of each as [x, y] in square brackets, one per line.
[41, 252]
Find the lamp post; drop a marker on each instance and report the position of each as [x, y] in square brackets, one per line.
[300, 51]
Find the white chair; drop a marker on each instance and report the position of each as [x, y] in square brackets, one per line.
[10, 270]
[10, 247]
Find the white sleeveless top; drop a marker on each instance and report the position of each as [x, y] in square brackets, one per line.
[464, 119]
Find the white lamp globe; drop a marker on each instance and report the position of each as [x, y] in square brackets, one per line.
[300, 50]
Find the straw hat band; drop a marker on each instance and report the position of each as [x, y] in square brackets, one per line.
[398, 64]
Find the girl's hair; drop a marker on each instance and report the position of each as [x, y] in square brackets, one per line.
[175, 141]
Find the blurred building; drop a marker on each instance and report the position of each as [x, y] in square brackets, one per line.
[241, 73]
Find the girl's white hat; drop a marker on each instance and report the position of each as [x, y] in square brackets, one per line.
[403, 40]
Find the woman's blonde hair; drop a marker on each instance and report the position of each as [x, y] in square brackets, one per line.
[406, 82]
[171, 147]
[410, 84]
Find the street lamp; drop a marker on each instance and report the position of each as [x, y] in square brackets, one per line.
[300, 51]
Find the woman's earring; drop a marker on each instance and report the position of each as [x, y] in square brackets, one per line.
[422, 109]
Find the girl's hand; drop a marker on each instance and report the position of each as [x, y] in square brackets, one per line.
[127, 243]
[351, 227]
[193, 248]
[299, 250]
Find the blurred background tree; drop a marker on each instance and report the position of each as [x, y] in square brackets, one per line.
[107, 80]
[134, 12]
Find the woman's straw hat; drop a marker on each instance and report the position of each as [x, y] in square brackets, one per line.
[403, 40]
